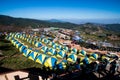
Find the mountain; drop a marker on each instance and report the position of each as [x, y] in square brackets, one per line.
[25, 22]
[99, 21]
[55, 20]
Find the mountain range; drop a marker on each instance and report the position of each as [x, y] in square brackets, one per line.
[34, 23]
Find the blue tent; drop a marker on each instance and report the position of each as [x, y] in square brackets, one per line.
[82, 53]
[50, 62]
[41, 58]
[44, 49]
[26, 52]
[61, 54]
[86, 60]
[62, 65]
[72, 58]
[74, 50]
[22, 48]
[32, 55]
[51, 51]
[38, 44]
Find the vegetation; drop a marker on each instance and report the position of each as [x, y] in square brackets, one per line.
[13, 59]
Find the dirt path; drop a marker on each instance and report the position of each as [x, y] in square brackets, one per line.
[78, 47]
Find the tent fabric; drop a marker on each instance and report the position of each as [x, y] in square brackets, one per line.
[41, 58]
[59, 47]
[86, 60]
[72, 58]
[43, 49]
[22, 48]
[51, 51]
[74, 50]
[18, 45]
[50, 62]
[32, 55]
[38, 44]
[82, 53]
[61, 65]
[94, 56]
[65, 48]
[26, 52]
[61, 54]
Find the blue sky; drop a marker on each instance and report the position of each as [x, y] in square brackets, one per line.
[61, 9]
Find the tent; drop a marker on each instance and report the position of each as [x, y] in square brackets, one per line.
[65, 48]
[44, 40]
[18, 45]
[51, 51]
[73, 50]
[34, 42]
[15, 42]
[41, 58]
[22, 48]
[105, 58]
[59, 47]
[82, 53]
[54, 46]
[86, 60]
[61, 65]
[38, 44]
[43, 49]
[61, 54]
[26, 52]
[32, 55]
[94, 56]
[72, 58]
[50, 62]
[50, 43]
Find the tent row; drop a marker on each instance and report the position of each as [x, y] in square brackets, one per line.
[52, 61]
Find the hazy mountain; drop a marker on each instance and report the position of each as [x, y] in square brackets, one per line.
[25, 22]
[55, 20]
[98, 21]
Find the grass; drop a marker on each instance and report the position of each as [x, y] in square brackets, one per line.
[13, 59]
[19, 62]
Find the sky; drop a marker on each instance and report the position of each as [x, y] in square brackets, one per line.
[61, 9]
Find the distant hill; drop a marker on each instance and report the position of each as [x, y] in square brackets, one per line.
[55, 20]
[25, 22]
[113, 27]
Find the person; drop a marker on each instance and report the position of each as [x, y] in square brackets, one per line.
[113, 66]
[117, 66]
[96, 64]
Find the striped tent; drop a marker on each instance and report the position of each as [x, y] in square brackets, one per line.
[41, 58]
[32, 55]
[18, 45]
[50, 43]
[72, 58]
[38, 44]
[73, 50]
[58, 47]
[65, 48]
[61, 65]
[50, 62]
[86, 60]
[51, 51]
[22, 48]
[26, 52]
[82, 53]
[61, 54]
[43, 49]
[34, 42]
[94, 56]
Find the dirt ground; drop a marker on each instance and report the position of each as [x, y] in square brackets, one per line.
[78, 47]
